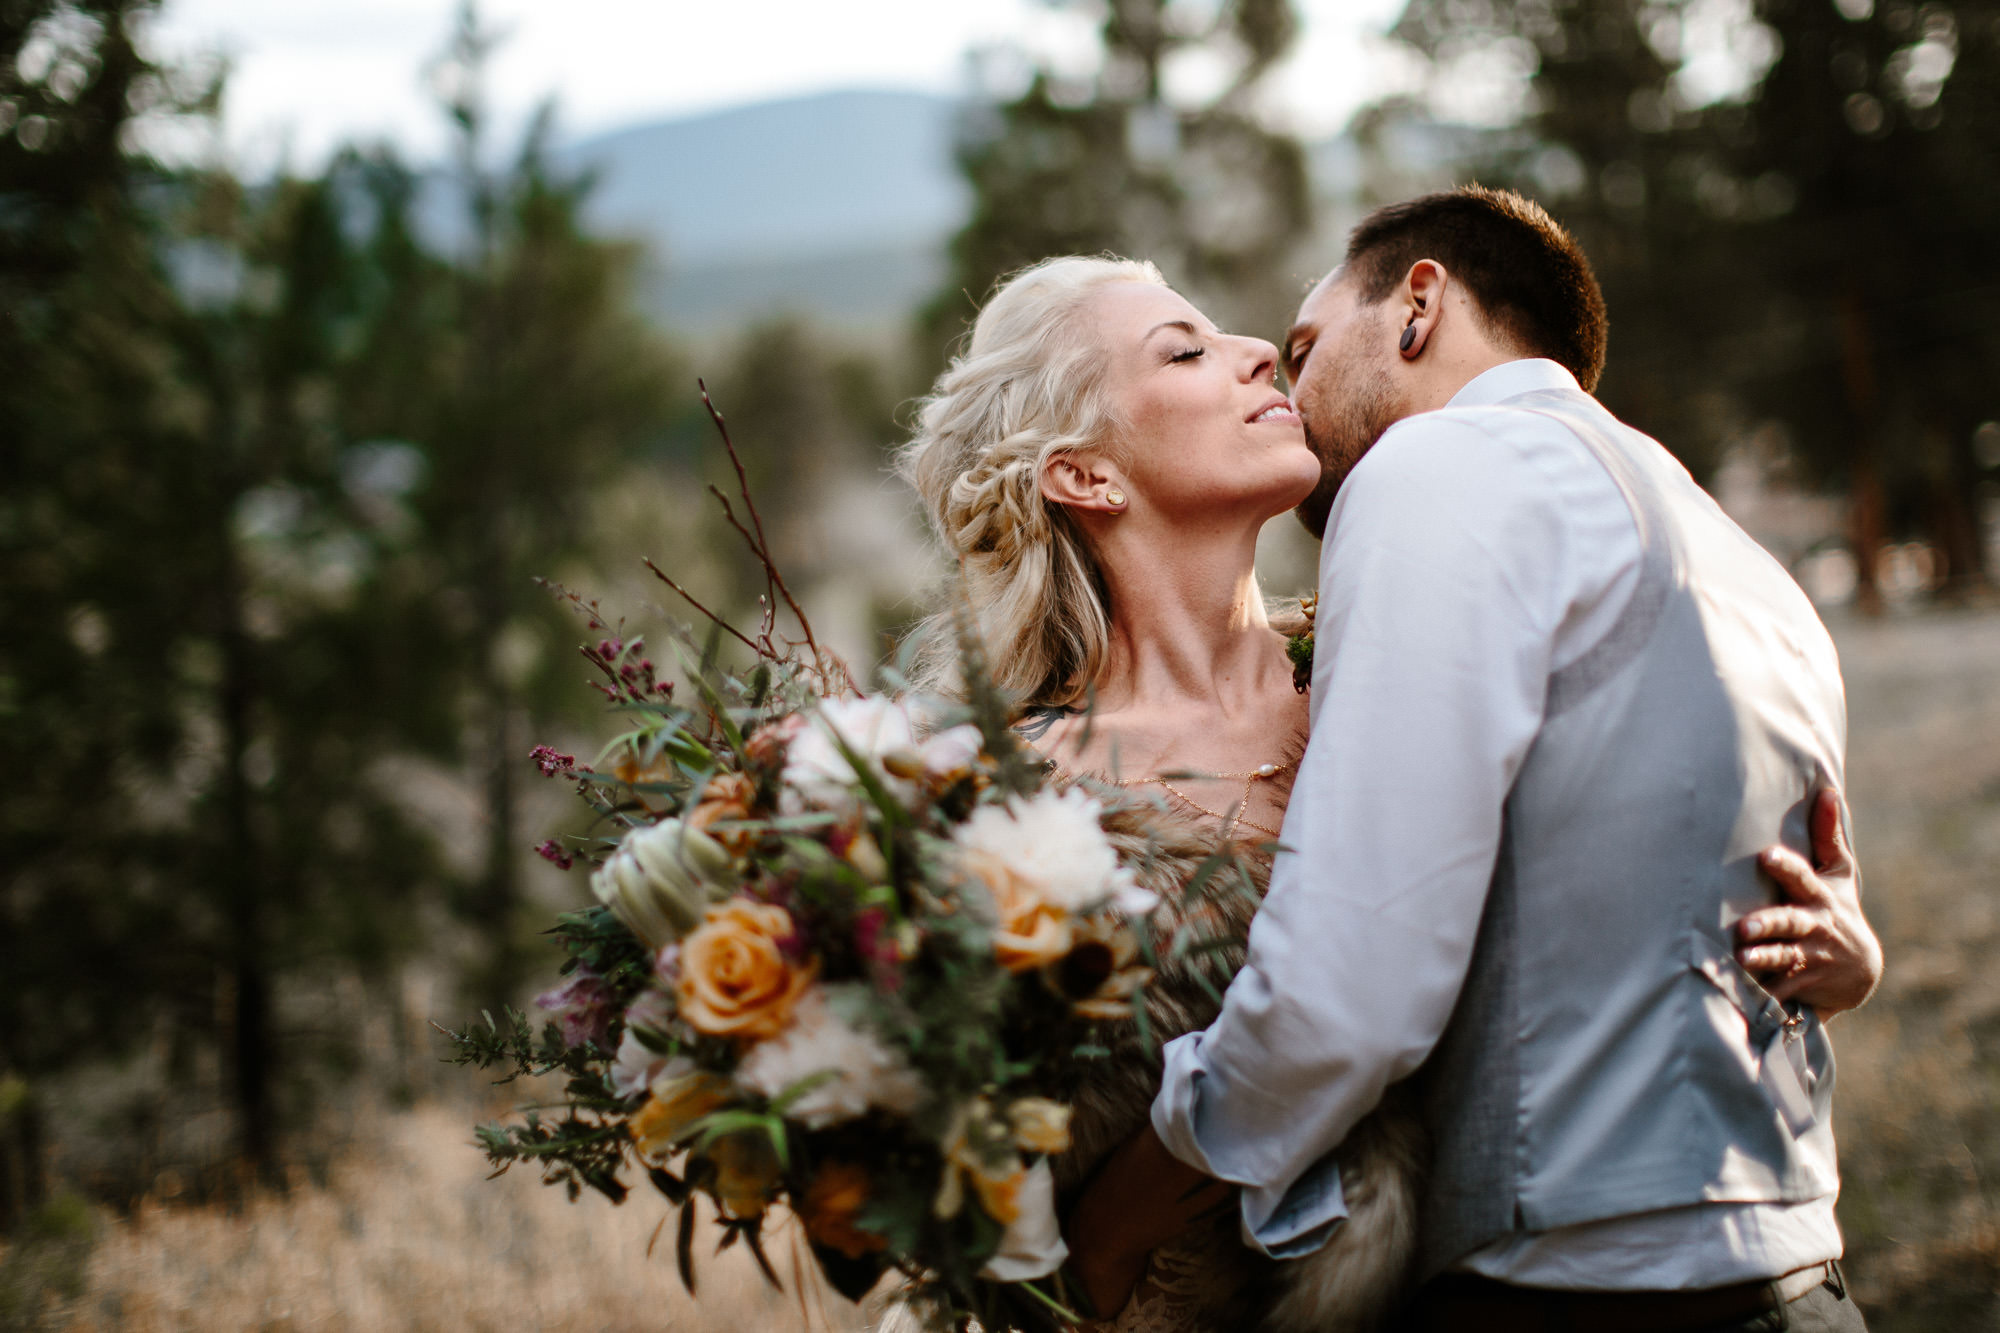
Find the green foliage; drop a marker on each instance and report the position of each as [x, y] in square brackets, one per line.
[586, 1146]
[276, 475]
[47, 1264]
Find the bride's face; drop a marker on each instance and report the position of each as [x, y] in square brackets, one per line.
[1203, 430]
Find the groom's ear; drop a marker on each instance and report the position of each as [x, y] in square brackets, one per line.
[1424, 289]
[1079, 481]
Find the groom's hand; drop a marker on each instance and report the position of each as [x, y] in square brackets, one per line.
[1141, 1197]
[1816, 947]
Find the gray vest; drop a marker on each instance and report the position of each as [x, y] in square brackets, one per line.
[1608, 1056]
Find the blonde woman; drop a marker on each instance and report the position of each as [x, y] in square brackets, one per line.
[1099, 462]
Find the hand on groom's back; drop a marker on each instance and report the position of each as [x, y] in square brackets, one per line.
[1815, 947]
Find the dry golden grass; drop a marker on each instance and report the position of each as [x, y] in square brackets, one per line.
[1920, 1065]
[412, 1237]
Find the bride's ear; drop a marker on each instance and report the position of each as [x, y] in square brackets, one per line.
[1080, 481]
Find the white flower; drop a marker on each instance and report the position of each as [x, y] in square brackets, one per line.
[657, 881]
[1032, 1245]
[871, 727]
[865, 1073]
[951, 750]
[880, 732]
[638, 1065]
[1053, 842]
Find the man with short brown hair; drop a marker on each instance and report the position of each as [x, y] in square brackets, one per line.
[1545, 658]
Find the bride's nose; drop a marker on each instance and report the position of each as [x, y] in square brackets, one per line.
[1260, 361]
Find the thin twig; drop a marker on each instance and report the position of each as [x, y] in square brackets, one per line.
[689, 597]
[762, 548]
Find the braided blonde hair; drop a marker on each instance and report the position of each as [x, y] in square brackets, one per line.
[1029, 386]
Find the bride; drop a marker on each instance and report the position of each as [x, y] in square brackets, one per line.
[1100, 461]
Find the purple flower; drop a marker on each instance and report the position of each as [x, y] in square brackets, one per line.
[581, 1007]
[551, 851]
[551, 761]
[875, 942]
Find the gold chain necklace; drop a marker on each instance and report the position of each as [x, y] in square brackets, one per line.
[1261, 773]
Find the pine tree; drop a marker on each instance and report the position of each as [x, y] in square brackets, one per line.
[1775, 254]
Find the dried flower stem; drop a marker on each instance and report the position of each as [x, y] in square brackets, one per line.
[759, 547]
[691, 600]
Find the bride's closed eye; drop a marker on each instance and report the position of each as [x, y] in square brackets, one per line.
[1187, 354]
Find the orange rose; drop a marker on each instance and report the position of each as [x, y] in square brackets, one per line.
[832, 1202]
[1033, 931]
[735, 981]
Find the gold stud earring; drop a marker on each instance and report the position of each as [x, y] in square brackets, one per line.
[1115, 498]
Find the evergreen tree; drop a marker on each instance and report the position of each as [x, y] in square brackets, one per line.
[1775, 254]
[550, 381]
[274, 482]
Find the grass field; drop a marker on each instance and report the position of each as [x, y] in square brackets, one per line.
[409, 1236]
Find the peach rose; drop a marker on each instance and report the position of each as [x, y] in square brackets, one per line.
[1034, 932]
[629, 769]
[735, 981]
[728, 796]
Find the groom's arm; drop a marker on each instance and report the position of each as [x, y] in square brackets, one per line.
[1455, 558]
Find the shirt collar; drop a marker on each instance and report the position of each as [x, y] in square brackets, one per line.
[1511, 379]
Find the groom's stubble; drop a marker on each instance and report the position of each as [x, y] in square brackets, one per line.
[1345, 408]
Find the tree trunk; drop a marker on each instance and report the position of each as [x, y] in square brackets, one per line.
[1957, 526]
[1864, 402]
[250, 1045]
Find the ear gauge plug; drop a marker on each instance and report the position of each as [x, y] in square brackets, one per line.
[1409, 336]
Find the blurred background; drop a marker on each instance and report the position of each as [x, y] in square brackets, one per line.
[326, 328]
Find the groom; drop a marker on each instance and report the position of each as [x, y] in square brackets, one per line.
[1545, 657]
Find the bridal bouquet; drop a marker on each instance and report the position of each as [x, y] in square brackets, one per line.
[843, 959]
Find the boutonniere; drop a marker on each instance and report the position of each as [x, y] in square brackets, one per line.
[1299, 647]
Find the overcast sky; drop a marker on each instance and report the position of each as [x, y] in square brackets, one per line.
[309, 73]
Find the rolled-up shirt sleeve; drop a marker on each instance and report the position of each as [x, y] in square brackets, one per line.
[1447, 572]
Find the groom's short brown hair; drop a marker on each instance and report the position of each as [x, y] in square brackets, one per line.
[1525, 272]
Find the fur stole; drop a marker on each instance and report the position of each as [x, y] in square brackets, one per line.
[1354, 1282]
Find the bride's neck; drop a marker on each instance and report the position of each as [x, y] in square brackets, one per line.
[1187, 617]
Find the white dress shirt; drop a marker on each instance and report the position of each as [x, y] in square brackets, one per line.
[1468, 556]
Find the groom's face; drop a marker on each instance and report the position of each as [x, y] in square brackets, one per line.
[1341, 359]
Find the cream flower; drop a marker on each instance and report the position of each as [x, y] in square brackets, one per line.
[638, 1064]
[1032, 1245]
[1040, 1125]
[657, 882]
[864, 1072]
[1053, 845]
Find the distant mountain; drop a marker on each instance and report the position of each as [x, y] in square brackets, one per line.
[837, 206]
